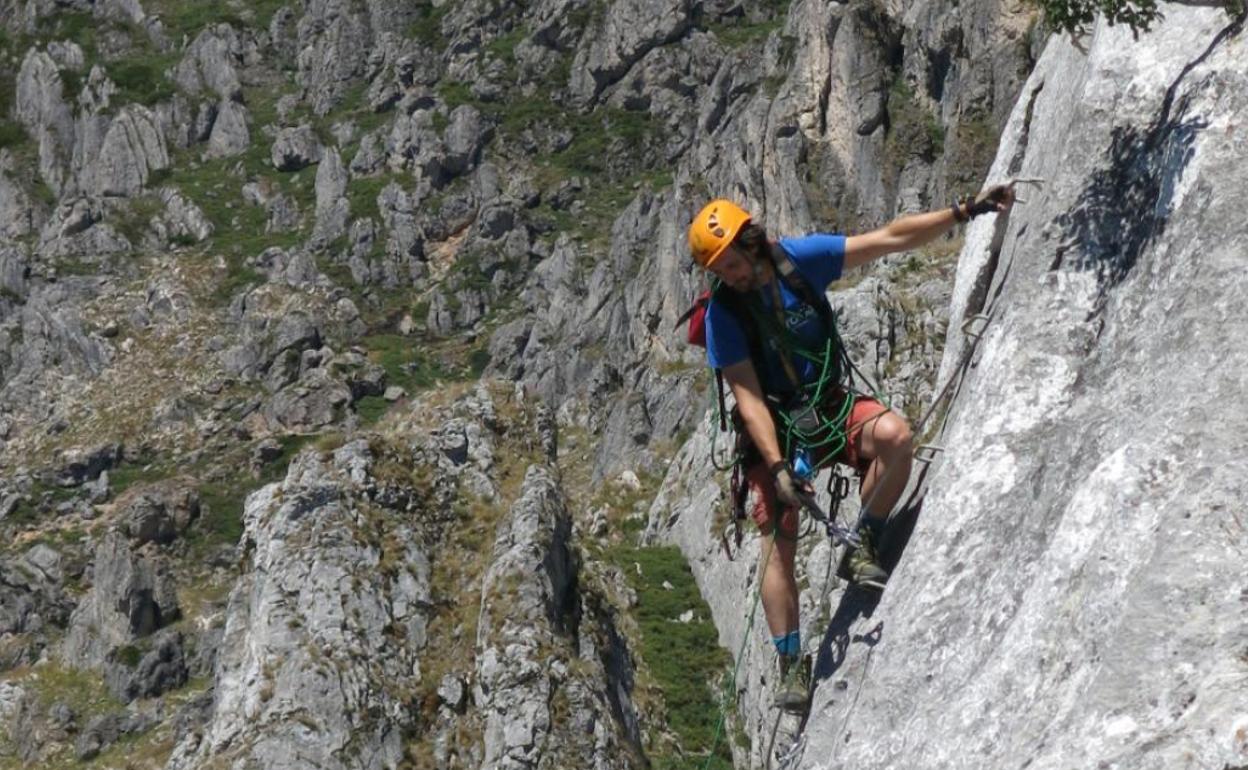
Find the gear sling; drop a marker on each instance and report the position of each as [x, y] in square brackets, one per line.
[810, 418]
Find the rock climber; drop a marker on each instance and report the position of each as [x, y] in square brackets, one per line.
[764, 355]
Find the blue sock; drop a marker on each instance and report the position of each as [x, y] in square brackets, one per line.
[789, 645]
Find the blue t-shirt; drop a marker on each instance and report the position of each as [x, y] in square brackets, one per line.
[819, 258]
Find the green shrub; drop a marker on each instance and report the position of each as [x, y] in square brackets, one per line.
[478, 360]
[1074, 16]
[129, 655]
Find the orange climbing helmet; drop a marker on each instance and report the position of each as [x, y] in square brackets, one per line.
[713, 229]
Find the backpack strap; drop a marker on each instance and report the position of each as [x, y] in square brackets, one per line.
[797, 282]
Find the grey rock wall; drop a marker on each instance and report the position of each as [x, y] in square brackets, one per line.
[1073, 594]
[323, 630]
[529, 614]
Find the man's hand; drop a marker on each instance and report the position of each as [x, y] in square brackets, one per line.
[789, 489]
[997, 198]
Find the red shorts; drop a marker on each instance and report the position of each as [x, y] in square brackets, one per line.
[762, 489]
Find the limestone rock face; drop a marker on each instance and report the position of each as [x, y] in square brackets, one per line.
[529, 608]
[132, 596]
[54, 343]
[31, 595]
[322, 631]
[211, 64]
[132, 148]
[296, 148]
[629, 30]
[332, 210]
[40, 107]
[229, 135]
[18, 216]
[1073, 592]
[182, 218]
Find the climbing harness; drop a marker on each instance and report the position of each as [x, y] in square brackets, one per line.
[809, 417]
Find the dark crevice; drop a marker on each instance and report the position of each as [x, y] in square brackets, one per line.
[1020, 153]
[978, 298]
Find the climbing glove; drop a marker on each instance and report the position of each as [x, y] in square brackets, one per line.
[995, 198]
[789, 489]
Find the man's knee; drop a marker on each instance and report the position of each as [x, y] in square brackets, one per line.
[893, 435]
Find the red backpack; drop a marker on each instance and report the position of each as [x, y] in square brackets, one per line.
[696, 318]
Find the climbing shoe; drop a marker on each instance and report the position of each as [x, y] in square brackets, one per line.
[861, 565]
[794, 693]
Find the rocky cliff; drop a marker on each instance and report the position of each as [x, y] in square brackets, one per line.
[342, 421]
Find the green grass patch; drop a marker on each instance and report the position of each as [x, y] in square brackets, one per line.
[426, 28]
[752, 27]
[74, 26]
[503, 47]
[371, 409]
[238, 276]
[136, 218]
[82, 691]
[11, 134]
[595, 135]
[43, 497]
[405, 363]
[221, 502]
[239, 227]
[362, 195]
[746, 33]
[183, 19]
[143, 78]
[262, 12]
[455, 93]
[129, 475]
[913, 131]
[685, 659]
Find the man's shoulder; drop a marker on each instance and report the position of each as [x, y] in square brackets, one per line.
[813, 245]
[819, 256]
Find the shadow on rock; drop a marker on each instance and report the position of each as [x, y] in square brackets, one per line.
[1128, 205]
[855, 603]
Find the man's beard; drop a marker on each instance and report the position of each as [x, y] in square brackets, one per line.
[757, 279]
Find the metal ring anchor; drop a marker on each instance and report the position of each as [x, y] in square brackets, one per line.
[970, 329]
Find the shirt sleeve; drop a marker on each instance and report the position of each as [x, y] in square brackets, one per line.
[725, 339]
[820, 257]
